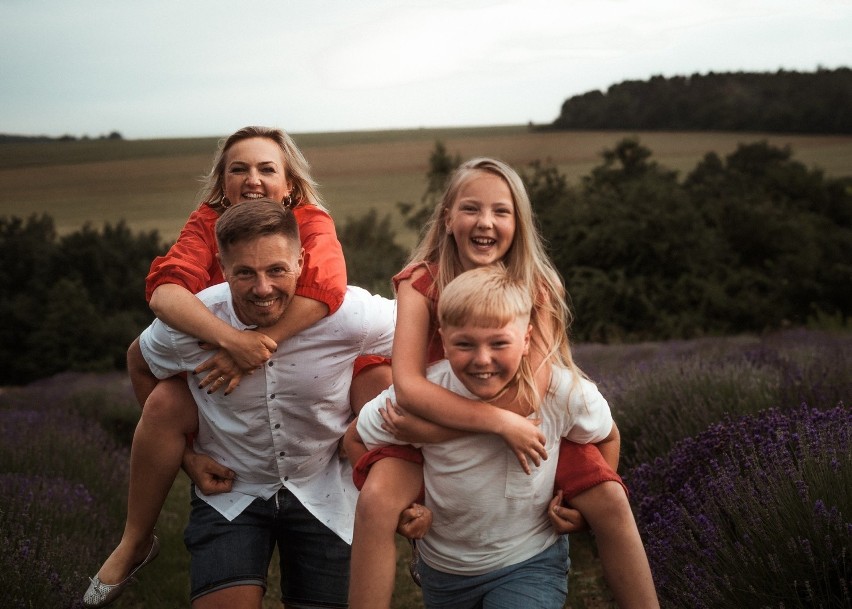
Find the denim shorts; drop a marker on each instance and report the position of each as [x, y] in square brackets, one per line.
[314, 560]
[540, 582]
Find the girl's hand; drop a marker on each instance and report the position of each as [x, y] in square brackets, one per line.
[410, 428]
[565, 519]
[524, 439]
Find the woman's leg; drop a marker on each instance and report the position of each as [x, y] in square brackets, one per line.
[169, 415]
[392, 486]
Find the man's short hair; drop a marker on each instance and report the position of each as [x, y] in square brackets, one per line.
[253, 219]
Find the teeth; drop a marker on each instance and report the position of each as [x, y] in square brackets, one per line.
[263, 303]
[483, 375]
[252, 195]
[484, 241]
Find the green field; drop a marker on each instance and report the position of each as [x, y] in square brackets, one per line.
[153, 184]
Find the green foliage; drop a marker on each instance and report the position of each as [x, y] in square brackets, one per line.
[73, 303]
[752, 242]
[789, 102]
[441, 166]
[372, 254]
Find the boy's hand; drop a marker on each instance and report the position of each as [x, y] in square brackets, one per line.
[208, 475]
[524, 438]
[414, 521]
[565, 519]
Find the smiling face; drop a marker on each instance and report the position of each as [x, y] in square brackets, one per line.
[486, 359]
[262, 273]
[482, 220]
[255, 168]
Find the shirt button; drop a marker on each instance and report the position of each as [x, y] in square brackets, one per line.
[270, 364]
[277, 425]
[281, 454]
[272, 397]
[286, 478]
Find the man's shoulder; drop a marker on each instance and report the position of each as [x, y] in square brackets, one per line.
[215, 294]
[358, 299]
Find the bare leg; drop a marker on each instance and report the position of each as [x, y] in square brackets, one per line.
[235, 597]
[155, 457]
[393, 485]
[367, 384]
[625, 564]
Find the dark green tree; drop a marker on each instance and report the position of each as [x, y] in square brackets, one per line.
[441, 166]
[371, 252]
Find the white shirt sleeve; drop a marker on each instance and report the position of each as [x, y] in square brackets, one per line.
[590, 418]
[167, 351]
[369, 424]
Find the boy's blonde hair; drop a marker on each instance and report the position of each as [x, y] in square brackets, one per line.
[296, 167]
[487, 297]
[526, 261]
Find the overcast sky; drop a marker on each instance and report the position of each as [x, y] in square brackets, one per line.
[161, 68]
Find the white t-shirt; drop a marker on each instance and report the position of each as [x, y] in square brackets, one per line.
[488, 513]
[282, 425]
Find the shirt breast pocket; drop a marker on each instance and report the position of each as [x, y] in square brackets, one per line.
[519, 484]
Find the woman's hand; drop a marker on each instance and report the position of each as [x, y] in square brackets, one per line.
[565, 519]
[230, 363]
[524, 438]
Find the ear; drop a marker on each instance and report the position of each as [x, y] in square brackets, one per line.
[301, 259]
[443, 339]
[219, 260]
[527, 340]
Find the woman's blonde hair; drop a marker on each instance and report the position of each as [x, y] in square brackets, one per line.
[296, 168]
[526, 261]
[487, 297]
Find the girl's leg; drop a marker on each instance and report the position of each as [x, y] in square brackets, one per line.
[393, 485]
[625, 564]
[169, 415]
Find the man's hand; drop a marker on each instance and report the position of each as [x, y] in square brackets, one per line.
[565, 519]
[414, 521]
[209, 476]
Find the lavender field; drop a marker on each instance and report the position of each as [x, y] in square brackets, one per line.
[738, 452]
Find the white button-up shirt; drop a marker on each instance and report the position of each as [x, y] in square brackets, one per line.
[281, 426]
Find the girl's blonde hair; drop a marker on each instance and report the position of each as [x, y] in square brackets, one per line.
[296, 168]
[526, 261]
[487, 297]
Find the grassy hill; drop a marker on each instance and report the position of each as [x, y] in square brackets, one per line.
[152, 184]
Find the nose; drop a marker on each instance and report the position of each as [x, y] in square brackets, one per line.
[484, 219]
[262, 285]
[481, 356]
[253, 176]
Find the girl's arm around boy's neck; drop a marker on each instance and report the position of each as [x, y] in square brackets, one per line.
[416, 394]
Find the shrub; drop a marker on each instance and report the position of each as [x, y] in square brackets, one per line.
[60, 499]
[755, 512]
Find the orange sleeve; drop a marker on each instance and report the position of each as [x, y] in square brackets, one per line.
[191, 261]
[323, 275]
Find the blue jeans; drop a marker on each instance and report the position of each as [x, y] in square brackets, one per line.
[314, 560]
[540, 582]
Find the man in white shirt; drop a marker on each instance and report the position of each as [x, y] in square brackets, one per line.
[279, 430]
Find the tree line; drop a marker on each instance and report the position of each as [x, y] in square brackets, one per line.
[751, 242]
[785, 101]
